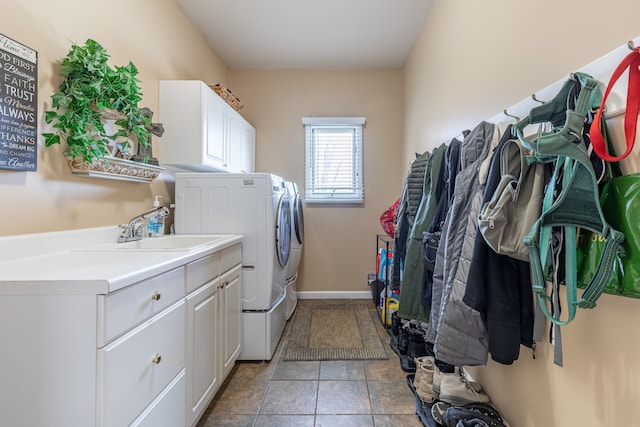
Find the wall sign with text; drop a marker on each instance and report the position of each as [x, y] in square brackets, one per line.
[18, 106]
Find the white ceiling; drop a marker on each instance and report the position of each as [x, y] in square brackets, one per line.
[309, 34]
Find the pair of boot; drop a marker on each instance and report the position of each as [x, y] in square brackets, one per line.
[423, 382]
[411, 344]
[456, 389]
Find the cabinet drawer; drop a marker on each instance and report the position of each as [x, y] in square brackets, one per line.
[202, 271]
[230, 257]
[120, 311]
[167, 410]
[136, 367]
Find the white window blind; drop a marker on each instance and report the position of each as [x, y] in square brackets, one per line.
[333, 159]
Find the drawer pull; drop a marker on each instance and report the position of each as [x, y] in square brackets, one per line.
[156, 296]
[157, 359]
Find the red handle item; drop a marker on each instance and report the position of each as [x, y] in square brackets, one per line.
[632, 62]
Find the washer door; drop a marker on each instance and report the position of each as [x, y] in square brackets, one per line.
[298, 218]
[283, 230]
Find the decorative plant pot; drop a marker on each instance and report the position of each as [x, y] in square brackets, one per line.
[115, 168]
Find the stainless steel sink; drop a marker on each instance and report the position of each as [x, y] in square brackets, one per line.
[165, 243]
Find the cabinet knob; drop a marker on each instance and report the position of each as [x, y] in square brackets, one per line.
[156, 296]
[156, 359]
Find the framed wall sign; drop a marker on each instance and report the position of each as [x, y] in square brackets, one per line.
[18, 106]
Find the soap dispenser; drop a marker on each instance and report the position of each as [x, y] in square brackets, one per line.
[155, 226]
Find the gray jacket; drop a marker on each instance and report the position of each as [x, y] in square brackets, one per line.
[460, 333]
[407, 209]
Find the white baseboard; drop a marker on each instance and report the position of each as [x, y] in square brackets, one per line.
[333, 294]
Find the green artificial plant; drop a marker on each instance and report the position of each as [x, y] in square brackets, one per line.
[91, 93]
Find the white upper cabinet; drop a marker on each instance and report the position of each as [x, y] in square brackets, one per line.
[202, 132]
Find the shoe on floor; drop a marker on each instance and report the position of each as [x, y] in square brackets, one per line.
[424, 378]
[456, 389]
[437, 411]
[437, 373]
[406, 363]
[475, 414]
[436, 379]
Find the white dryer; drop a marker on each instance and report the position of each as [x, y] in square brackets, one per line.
[297, 237]
[257, 206]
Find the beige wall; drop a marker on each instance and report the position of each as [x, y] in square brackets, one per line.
[472, 60]
[339, 246]
[157, 38]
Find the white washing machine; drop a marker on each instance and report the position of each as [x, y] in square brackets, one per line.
[257, 206]
[297, 237]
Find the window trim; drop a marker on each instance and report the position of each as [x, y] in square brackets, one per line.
[313, 195]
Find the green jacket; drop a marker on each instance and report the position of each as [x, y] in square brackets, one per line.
[410, 306]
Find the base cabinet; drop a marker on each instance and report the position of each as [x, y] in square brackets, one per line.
[151, 354]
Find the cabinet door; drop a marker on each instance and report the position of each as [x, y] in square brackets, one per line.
[231, 314]
[235, 126]
[203, 378]
[248, 148]
[241, 140]
[215, 119]
[182, 111]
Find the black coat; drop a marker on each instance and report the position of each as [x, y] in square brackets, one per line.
[499, 287]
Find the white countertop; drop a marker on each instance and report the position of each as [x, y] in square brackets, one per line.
[54, 263]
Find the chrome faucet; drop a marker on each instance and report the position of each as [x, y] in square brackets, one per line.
[133, 230]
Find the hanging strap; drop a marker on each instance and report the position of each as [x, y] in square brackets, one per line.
[513, 170]
[631, 62]
[555, 332]
[552, 251]
[577, 204]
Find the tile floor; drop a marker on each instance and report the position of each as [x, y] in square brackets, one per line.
[307, 394]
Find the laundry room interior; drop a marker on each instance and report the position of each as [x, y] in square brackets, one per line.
[464, 68]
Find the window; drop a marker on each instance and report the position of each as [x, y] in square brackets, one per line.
[333, 159]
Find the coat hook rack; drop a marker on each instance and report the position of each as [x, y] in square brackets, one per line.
[600, 69]
[533, 96]
[510, 115]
